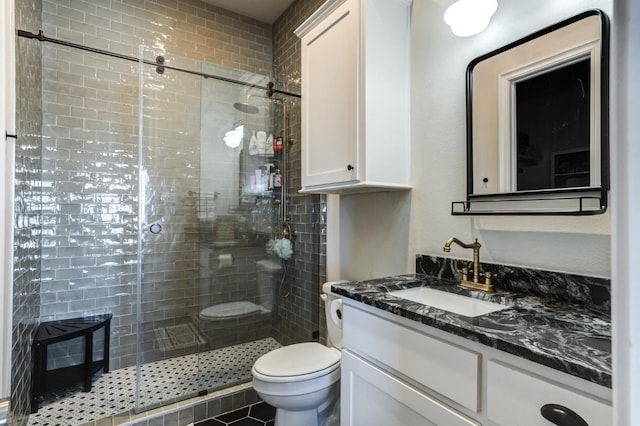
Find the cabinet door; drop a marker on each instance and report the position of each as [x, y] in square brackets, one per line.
[450, 370]
[330, 91]
[371, 397]
[514, 397]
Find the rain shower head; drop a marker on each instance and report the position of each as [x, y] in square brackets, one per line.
[246, 108]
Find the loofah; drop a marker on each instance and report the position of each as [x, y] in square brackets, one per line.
[280, 247]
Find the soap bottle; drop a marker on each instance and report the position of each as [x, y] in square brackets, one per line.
[253, 144]
[262, 142]
[269, 168]
[277, 179]
[277, 144]
[269, 145]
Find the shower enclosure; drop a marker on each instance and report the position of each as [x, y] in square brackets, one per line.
[165, 182]
[209, 204]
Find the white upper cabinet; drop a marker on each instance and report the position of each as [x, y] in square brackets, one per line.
[355, 97]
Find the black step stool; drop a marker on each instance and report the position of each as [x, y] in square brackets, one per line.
[44, 381]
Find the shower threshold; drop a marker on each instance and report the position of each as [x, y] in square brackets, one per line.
[166, 381]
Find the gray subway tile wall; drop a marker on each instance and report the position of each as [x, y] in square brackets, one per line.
[187, 28]
[27, 207]
[298, 313]
[90, 177]
[89, 197]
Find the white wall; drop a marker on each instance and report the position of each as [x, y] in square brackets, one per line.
[382, 233]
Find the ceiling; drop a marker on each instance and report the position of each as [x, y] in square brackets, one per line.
[262, 10]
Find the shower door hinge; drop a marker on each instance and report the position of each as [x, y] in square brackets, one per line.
[7, 135]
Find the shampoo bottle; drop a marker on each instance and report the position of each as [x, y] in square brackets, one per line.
[253, 144]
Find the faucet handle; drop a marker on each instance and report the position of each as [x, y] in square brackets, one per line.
[465, 274]
[487, 277]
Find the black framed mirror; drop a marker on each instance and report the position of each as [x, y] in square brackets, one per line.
[538, 123]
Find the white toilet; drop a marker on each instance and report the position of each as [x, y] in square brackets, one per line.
[301, 380]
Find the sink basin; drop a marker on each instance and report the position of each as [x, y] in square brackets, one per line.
[461, 305]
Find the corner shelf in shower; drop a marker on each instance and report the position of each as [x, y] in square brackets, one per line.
[270, 193]
[269, 265]
[226, 244]
[263, 156]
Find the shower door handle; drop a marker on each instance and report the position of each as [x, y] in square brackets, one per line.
[155, 228]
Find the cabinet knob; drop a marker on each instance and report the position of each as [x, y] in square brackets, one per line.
[350, 167]
[561, 416]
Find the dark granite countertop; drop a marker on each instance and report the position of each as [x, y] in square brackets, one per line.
[560, 335]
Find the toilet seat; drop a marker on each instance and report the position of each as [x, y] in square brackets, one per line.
[295, 363]
[229, 310]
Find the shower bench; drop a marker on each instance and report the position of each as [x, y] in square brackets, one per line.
[45, 381]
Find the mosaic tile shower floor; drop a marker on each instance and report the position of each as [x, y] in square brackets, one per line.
[114, 392]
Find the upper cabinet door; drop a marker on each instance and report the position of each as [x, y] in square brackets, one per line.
[355, 97]
[330, 106]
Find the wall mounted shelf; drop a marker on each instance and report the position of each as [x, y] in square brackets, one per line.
[582, 204]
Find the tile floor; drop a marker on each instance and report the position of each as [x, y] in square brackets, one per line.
[259, 414]
[162, 382]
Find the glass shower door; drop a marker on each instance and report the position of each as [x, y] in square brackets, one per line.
[169, 168]
[238, 277]
[207, 210]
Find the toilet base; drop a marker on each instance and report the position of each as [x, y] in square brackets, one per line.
[323, 407]
[288, 418]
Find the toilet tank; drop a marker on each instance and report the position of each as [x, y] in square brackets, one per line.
[333, 311]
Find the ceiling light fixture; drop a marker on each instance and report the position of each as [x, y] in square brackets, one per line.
[469, 17]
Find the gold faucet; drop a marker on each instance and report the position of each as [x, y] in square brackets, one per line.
[475, 284]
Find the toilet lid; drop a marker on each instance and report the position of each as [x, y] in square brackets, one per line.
[229, 310]
[300, 359]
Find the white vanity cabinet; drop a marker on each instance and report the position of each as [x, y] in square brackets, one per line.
[355, 97]
[401, 372]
